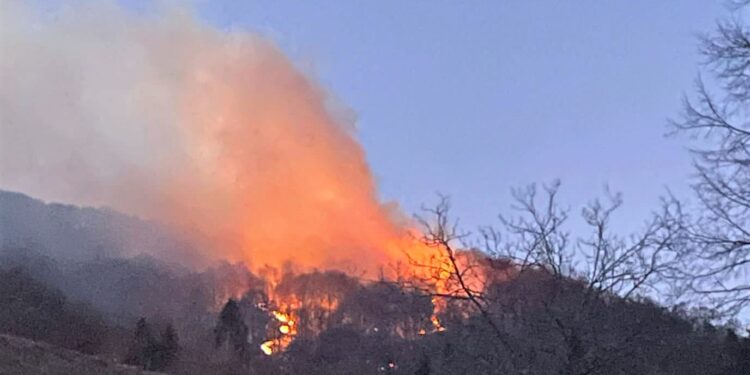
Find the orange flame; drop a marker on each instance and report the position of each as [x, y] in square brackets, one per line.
[215, 132]
[275, 175]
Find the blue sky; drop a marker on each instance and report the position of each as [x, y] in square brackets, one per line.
[471, 100]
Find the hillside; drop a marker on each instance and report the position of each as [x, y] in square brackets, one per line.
[20, 356]
[68, 279]
[74, 233]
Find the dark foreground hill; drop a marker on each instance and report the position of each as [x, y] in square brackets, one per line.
[19, 356]
[72, 277]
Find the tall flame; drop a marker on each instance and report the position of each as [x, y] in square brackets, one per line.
[171, 119]
[277, 173]
[215, 132]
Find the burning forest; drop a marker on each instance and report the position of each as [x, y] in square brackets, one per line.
[238, 149]
[220, 216]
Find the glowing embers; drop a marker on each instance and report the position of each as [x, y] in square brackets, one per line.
[436, 323]
[287, 325]
[437, 326]
[287, 329]
[390, 366]
[308, 304]
[267, 347]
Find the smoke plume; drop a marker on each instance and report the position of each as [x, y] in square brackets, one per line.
[165, 117]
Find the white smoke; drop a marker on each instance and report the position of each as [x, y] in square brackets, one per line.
[163, 116]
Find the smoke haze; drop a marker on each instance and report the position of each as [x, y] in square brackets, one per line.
[165, 117]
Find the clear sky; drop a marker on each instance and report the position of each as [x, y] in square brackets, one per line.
[473, 99]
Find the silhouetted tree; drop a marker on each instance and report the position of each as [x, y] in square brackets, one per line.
[151, 353]
[232, 330]
[168, 348]
[533, 275]
[144, 348]
[718, 231]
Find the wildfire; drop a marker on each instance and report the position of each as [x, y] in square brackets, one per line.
[267, 347]
[308, 298]
[283, 318]
[302, 303]
[436, 323]
[287, 330]
[248, 157]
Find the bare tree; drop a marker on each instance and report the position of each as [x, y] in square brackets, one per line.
[719, 233]
[564, 282]
[537, 239]
[457, 273]
[232, 332]
[607, 265]
[632, 265]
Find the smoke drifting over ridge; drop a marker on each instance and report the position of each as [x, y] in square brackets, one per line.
[162, 116]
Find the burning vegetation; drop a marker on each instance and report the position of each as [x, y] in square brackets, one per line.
[239, 149]
[287, 260]
[306, 304]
